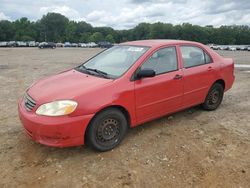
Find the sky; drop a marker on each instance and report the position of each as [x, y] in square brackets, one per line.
[125, 14]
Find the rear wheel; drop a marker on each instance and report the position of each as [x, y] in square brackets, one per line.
[107, 130]
[214, 97]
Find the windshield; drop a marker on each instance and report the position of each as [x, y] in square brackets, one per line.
[114, 62]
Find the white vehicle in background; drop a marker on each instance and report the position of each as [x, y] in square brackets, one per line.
[59, 45]
[248, 48]
[91, 45]
[82, 45]
[12, 44]
[74, 45]
[214, 47]
[232, 48]
[223, 47]
[21, 44]
[3, 44]
[32, 44]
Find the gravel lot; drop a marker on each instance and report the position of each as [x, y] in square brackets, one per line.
[192, 148]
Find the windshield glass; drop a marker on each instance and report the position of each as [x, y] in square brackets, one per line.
[115, 61]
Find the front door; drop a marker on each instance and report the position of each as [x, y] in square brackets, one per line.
[161, 94]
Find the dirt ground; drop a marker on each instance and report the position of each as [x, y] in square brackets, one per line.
[192, 148]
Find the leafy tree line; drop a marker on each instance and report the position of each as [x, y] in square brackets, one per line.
[58, 28]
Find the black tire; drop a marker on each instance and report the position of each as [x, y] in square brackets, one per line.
[107, 130]
[214, 97]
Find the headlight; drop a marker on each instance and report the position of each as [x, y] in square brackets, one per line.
[57, 108]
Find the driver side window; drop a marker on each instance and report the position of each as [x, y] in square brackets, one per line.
[162, 61]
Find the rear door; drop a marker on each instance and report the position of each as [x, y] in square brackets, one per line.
[198, 74]
[161, 94]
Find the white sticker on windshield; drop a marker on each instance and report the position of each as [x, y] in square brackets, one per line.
[135, 49]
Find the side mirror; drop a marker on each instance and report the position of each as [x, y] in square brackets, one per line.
[145, 73]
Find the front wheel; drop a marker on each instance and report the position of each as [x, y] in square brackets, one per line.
[214, 97]
[107, 130]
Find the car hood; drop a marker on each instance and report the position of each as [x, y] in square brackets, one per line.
[66, 85]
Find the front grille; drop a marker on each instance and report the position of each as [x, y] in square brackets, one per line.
[29, 103]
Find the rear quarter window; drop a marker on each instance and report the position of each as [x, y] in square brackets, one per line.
[194, 56]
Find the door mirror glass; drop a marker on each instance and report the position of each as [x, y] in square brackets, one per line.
[145, 73]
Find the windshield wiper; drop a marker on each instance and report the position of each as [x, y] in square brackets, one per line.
[99, 72]
[82, 69]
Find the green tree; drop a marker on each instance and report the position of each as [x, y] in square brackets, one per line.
[242, 34]
[157, 31]
[85, 37]
[96, 37]
[70, 32]
[110, 38]
[53, 27]
[26, 38]
[83, 27]
[24, 27]
[141, 31]
[7, 30]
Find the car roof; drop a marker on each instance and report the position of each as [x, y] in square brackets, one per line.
[158, 42]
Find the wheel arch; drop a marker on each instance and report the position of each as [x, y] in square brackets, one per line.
[117, 107]
[220, 81]
[205, 105]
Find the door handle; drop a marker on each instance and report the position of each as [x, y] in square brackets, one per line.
[178, 77]
[210, 68]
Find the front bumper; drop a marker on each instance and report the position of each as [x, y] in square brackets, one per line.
[61, 131]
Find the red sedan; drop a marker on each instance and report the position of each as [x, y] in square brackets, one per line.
[123, 87]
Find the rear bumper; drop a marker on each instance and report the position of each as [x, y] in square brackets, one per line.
[63, 131]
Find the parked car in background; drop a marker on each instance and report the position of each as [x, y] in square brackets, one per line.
[12, 44]
[21, 44]
[59, 45]
[214, 47]
[74, 45]
[245, 48]
[223, 48]
[248, 48]
[105, 44]
[32, 44]
[231, 48]
[242, 48]
[82, 45]
[121, 87]
[67, 44]
[3, 44]
[51, 45]
[92, 45]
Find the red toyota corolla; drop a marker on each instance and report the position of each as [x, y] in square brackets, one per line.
[123, 87]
